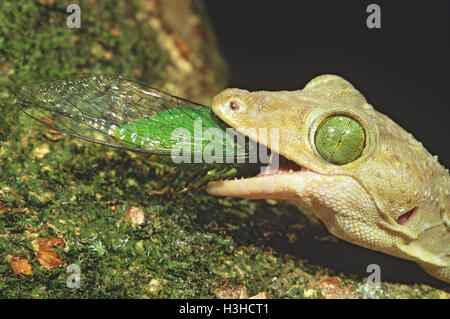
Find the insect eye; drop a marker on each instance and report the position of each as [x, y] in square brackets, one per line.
[340, 139]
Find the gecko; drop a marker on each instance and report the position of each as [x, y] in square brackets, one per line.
[366, 178]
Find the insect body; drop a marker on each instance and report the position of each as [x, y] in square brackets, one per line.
[126, 114]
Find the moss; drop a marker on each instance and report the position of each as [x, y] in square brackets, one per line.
[58, 187]
[110, 41]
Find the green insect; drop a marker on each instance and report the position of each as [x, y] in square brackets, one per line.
[129, 115]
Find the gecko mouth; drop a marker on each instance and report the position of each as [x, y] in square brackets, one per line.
[277, 165]
[284, 166]
[259, 180]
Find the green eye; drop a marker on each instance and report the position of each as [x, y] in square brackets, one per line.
[340, 139]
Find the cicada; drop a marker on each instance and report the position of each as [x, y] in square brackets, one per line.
[129, 115]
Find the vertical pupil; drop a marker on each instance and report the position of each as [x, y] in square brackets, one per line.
[340, 139]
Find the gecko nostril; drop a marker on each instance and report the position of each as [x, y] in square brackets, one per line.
[234, 106]
[403, 218]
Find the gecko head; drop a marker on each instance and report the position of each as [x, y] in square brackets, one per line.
[339, 158]
[321, 129]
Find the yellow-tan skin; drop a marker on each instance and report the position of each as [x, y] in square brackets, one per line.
[361, 201]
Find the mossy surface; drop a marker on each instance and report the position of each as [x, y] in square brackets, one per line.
[36, 43]
[191, 245]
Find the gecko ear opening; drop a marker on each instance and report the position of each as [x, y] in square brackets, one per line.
[403, 218]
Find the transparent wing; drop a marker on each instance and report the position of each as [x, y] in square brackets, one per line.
[96, 107]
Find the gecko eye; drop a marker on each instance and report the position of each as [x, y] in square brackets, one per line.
[340, 139]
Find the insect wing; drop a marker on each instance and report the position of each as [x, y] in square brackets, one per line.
[99, 108]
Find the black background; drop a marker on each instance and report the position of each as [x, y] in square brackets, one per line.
[402, 68]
